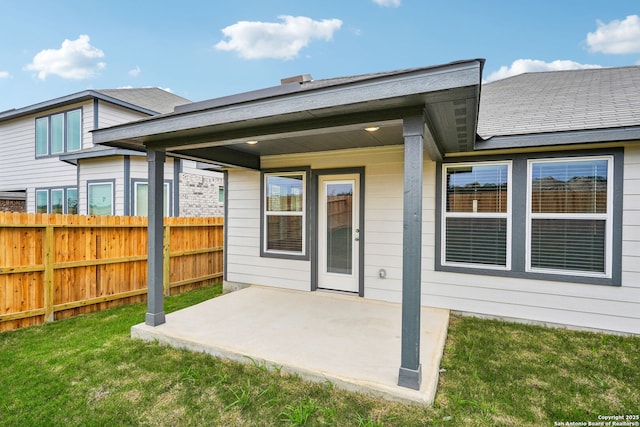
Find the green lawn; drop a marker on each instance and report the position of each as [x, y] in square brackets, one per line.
[86, 371]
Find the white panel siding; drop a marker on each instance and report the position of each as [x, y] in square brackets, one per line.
[21, 170]
[631, 219]
[110, 115]
[244, 264]
[100, 169]
[615, 308]
[588, 306]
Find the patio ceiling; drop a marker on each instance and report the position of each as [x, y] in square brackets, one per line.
[316, 116]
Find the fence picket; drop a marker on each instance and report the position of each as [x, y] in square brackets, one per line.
[57, 266]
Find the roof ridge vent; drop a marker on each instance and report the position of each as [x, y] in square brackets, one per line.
[302, 78]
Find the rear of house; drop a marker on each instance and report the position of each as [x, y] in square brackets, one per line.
[522, 194]
[544, 229]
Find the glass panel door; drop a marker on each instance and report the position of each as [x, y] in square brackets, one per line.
[339, 200]
[338, 232]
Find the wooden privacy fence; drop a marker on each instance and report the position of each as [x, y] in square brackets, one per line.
[58, 266]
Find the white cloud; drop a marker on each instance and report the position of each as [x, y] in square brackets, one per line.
[135, 72]
[617, 37]
[76, 59]
[520, 66]
[281, 40]
[387, 3]
[5, 75]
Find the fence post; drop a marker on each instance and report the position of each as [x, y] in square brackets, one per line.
[166, 260]
[48, 258]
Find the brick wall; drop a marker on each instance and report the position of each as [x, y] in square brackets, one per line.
[13, 206]
[199, 195]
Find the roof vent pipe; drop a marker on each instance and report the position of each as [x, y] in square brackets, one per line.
[302, 78]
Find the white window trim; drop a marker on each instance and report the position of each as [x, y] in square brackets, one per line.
[445, 215]
[61, 191]
[608, 217]
[302, 213]
[46, 192]
[91, 184]
[167, 201]
[63, 133]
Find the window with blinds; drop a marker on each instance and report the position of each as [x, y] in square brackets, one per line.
[569, 215]
[476, 215]
[284, 211]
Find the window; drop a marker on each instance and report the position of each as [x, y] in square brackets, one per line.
[141, 198]
[533, 216]
[42, 201]
[42, 136]
[220, 194]
[100, 198]
[284, 213]
[569, 216]
[476, 215]
[59, 133]
[57, 200]
[72, 201]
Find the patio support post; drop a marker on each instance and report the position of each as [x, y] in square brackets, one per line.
[410, 375]
[155, 298]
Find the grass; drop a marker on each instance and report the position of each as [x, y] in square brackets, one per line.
[87, 371]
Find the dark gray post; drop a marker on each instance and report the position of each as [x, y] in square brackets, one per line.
[410, 368]
[155, 298]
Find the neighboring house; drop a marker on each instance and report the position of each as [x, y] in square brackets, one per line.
[517, 199]
[48, 162]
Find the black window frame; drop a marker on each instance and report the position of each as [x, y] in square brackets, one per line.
[519, 180]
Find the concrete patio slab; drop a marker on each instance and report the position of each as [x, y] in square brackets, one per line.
[350, 341]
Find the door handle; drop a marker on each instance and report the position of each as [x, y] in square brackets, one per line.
[357, 237]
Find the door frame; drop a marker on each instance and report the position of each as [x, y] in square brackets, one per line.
[314, 225]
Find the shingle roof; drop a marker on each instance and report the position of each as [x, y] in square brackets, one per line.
[302, 86]
[150, 101]
[153, 98]
[560, 101]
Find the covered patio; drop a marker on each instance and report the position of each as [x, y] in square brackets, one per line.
[428, 112]
[306, 333]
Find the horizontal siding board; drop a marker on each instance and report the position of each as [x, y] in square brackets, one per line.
[632, 278]
[538, 314]
[524, 298]
[261, 280]
[535, 299]
[526, 286]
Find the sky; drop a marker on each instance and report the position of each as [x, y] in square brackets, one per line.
[208, 49]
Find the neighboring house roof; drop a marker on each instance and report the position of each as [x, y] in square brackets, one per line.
[96, 152]
[557, 102]
[151, 101]
[153, 98]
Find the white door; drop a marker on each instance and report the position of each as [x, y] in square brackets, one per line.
[338, 232]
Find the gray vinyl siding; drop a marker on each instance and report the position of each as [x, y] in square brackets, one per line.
[615, 308]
